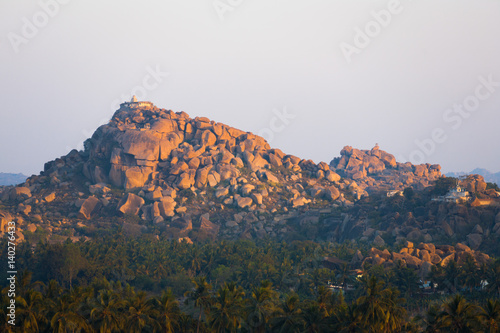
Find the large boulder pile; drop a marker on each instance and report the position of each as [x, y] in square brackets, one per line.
[376, 170]
[156, 150]
[477, 187]
[156, 167]
[424, 256]
[139, 146]
[474, 183]
[158, 164]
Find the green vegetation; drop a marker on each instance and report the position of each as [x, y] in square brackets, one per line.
[146, 285]
[493, 186]
[39, 235]
[187, 194]
[443, 185]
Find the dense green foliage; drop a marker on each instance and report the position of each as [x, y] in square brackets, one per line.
[148, 285]
[151, 265]
[443, 185]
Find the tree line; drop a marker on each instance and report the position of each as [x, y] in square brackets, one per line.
[106, 306]
[146, 285]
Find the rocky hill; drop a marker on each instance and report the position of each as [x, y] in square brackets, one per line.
[375, 170]
[422, 257]
[162, 172]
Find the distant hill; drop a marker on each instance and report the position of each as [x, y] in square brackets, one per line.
[488, 175]
[11, 178]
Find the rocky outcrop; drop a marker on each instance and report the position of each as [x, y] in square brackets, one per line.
[474, 183]
[159, 167]
[145, 146]
[376, 170]
[424, 256]
[18, 194]
[138, 144]
[148, 150]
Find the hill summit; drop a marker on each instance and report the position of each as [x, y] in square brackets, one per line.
[143, 145]
[162, 172]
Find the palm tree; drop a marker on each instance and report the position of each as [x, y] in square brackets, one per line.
[167, 311]
[200, 295]
[52, 290]
[31, 311]
[405, 279]
[227, 308]
[106, 311]
[196, 260]
[452, 273]
[431, 321]
[437, 276]
[458, 315]
[336, 301]
[185, 323]
[343, 276]
[470, 273]
[314, 319]
[395, 313]
[347, 319]
[83, 298]
[261, 306]
[24, 282]
[490, 316]
[288, 316]
[210, 258]
[380, 308]
[493, 278]
[323, 300]
[5, 326]
[371, 303]
[139, 314]
[160, 269]
[66, 317]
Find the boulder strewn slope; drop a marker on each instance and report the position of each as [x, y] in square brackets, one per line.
[192, 177]
[376, 170]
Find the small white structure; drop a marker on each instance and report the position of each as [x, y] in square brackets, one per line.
[394, 192]
[457, 194]
[134, 103]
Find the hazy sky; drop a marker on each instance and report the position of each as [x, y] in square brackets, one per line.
[420, 78]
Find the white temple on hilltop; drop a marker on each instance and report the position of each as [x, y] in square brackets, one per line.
[456, 194]
[134, 103]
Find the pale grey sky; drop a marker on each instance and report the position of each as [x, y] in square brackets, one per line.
[347, 73]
